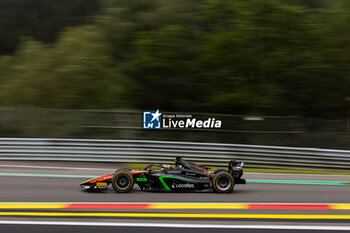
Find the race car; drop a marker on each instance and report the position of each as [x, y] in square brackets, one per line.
[183, 177]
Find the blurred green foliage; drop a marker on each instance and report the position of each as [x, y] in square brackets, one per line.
[225, 56]
[40, 19]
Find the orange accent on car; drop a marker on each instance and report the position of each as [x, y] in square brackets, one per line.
[102, 178]
[137, 172]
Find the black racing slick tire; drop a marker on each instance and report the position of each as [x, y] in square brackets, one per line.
[123, 181]
[123, 169]
[219, 170]
[223, 182]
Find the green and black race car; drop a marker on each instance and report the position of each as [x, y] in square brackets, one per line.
[183, 177]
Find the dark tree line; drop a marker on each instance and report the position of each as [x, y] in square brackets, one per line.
[228, 56]
[40, 19]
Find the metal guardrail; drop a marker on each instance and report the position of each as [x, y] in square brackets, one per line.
[141, 151]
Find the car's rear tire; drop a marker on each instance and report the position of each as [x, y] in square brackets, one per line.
[219, 170]
[122, 182]
[223, 182]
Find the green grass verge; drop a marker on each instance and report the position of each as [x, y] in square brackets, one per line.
[140, 166]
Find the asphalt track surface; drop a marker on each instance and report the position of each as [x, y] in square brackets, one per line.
[42, 189]
[56, 189]
[59, 189]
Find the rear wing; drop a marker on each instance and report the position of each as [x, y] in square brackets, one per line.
[235, 168]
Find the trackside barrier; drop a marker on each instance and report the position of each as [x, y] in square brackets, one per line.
[141, 151]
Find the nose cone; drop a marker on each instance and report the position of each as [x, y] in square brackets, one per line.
[87, 185]
[87, 181]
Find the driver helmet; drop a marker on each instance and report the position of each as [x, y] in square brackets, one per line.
[165, 167]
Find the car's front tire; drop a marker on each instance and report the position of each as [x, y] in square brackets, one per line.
[223, 182]
[122, 182]
[123, 169]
